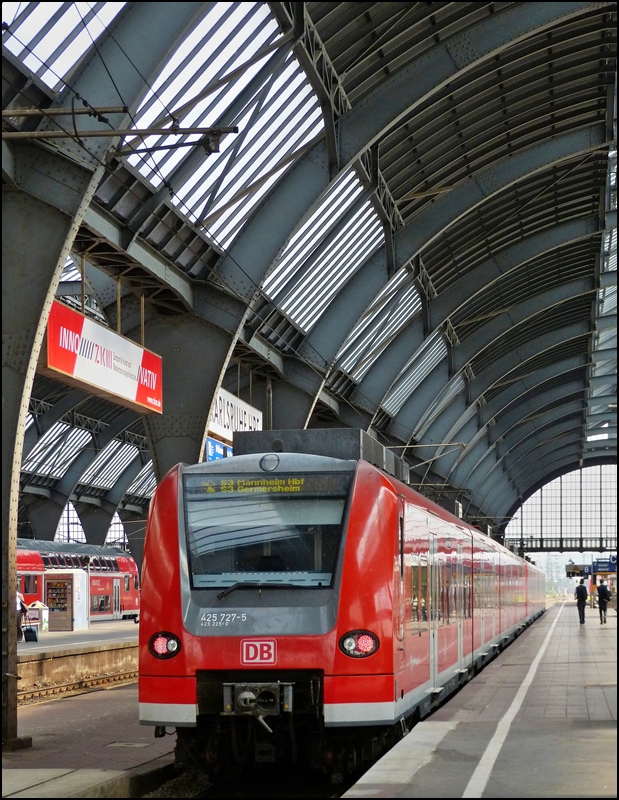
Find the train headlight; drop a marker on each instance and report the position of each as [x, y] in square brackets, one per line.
[164, 645]
[359, 644]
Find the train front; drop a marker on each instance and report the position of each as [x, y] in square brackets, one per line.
[241, 582]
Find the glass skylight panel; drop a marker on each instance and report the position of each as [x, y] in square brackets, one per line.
[277, 115]
[608, 300]
[145, 483]
[330, 209]
[326, 274]
[442, 401]
[53, 454]
[380, 326]
[108, 465]
[70, 271]
[418, 368]
[49, 38]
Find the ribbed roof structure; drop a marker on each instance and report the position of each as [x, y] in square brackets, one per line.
[404, 214]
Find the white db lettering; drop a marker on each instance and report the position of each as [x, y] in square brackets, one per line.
[258, 652]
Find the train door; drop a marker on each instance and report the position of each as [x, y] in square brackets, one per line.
[434, 587]
[116, 612]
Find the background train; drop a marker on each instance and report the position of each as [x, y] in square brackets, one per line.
[301, 606]
[114, 580]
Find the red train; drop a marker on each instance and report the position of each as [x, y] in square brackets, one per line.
[295, 602]
[114, 580]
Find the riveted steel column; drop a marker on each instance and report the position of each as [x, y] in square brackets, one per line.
[192, 351]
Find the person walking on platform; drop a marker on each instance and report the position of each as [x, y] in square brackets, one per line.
[604, 596]
[581, 595]
[21, 609]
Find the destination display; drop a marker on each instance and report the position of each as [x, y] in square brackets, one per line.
[203, 486]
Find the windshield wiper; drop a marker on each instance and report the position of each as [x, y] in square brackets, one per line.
[258, 585]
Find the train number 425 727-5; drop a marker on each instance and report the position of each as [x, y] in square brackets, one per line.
[217, 619]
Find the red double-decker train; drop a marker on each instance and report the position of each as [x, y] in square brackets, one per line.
[114, 580]
[295, 602]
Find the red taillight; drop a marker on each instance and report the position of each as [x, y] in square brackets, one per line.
[160, 645]
[164, 645]
[359, 644]
[365, 644]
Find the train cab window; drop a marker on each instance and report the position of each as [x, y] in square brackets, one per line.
[127, 582]
[31, 584]
[264, 528]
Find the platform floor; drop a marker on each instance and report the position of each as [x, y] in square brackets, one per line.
[539, 721]
[99, 633]
[88, 745]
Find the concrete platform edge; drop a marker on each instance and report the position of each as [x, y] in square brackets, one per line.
[134, 782]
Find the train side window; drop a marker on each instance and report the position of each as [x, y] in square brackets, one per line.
[401, 547]
[440, 593]
[415, 605]
[115, 566]
[136, 582]
[96, 563]
[423, 592]
[47, 562]
[127, 582]
[31, 584]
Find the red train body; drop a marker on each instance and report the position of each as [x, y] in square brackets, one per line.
[295, 600]
[114, 580]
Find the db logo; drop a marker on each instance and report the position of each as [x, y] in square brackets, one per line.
[260, 651]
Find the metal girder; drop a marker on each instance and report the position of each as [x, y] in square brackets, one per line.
[499, 373]
[193, 351]
[538, 435]
[498, 428]
[399, 93]
[520, 315]
[44, 513]
[330, 332]
[45, 422]
[286, 208]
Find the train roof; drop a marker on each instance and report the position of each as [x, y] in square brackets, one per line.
[43, 546]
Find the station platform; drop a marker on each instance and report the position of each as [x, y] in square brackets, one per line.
[107, 632]
[539, 721]
[62, 661]
[88, 745]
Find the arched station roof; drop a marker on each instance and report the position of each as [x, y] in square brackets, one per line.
[395, 216]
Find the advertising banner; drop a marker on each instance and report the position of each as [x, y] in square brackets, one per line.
[86, 354]
[231, 414]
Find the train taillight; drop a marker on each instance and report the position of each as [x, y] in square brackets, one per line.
[359, 644]
[164, 645]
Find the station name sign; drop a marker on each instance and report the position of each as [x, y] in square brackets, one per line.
[88, 355]
[231, 414]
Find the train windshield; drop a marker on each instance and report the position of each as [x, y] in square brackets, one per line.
[264, 529]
